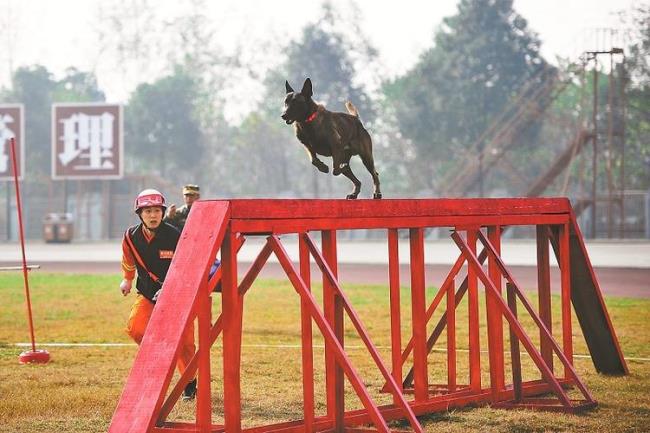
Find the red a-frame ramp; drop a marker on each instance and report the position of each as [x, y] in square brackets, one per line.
[147, 398]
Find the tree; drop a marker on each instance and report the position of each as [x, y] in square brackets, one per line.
[638, 96]
[329, 51]
[325, 54]
[161, 130]
[37, 89]
[481, 57]
[33, 86]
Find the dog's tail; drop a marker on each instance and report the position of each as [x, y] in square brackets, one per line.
[351, 109]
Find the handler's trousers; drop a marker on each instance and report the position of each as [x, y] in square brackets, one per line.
[137, 324]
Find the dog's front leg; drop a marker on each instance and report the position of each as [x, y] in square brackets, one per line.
[340, 159]
[320, 165]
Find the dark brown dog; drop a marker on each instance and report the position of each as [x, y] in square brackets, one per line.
[326, 133]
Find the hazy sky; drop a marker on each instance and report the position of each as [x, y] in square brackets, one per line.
[61, 33]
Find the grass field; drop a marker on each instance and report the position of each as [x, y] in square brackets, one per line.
[78, 390]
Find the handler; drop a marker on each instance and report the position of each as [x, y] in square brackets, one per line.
[178, 217]
[148, 248]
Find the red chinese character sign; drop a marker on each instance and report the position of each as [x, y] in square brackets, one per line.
[87, 141]
[12, 125]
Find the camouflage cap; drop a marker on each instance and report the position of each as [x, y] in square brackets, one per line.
[191, 189]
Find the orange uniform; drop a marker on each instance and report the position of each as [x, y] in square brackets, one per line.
[156, 251]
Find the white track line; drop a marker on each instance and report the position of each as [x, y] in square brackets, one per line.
[280, 346]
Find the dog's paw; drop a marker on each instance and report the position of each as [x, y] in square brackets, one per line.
[376, 195]
[338, 170]
[351, 196]
[322, 167]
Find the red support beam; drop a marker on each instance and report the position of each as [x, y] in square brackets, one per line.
[395, 316]
[544, 290]
[203, 394]
[307, 341]
[418, 315]
[334, 314]
[494, 320]
[473, 317]
[565, 282]
[232, 313]
[451, 337]
[514, 346]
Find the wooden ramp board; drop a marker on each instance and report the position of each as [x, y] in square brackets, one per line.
[155, 361]
[590, 308]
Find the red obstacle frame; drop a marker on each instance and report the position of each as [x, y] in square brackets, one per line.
[231, 222]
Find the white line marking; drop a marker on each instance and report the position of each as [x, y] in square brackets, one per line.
[282, 346]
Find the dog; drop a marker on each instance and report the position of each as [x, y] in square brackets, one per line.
[327, 133]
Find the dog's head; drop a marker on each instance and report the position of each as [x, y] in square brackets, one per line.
[297, 105]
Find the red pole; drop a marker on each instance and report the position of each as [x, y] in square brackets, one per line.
[41, 356]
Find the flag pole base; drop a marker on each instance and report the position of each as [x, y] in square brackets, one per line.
[34, 357]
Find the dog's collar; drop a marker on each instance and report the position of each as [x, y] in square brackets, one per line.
[311, 117]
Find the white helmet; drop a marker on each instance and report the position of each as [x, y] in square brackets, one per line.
[149, 198]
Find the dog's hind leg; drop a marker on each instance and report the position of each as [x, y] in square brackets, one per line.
[369, 162]
[347, 172]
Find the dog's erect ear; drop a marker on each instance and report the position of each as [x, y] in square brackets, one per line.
[288, 87]
[306, 89]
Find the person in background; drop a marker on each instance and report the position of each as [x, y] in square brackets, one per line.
[177, 217]
[147, 250]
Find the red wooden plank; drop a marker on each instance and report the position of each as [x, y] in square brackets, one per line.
[295, 225]
[494, 321]
[307, 341]
[390, 412]
[447, 402]
[395, 316]
[451, 337]
[289, 209]
[515, 355]
[232, 329]
[360, 416]
[565, 283]
[203, 397]
[335, 386]
[418, 316]
[473, 318]
[544, 291]
[153, 367]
